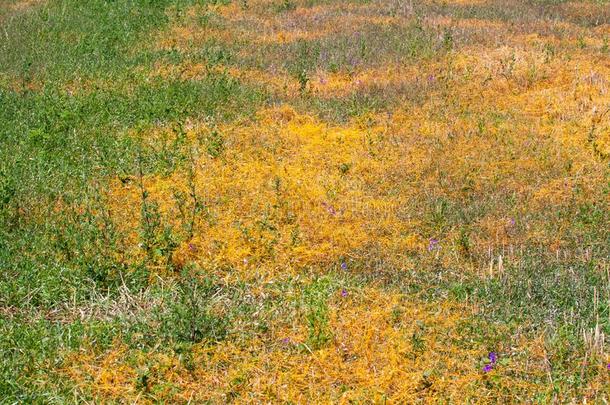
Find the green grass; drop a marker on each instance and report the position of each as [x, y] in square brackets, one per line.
[59, 147]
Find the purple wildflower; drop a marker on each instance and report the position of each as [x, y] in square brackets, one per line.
[286, 341]
[192, 247]
[433, 244]
[488, 368]
[430, 78]
[511, 221]
[493, 357]
[608, 366]
[344, 292]
[329, 208]
[343, 266]
[322, 81]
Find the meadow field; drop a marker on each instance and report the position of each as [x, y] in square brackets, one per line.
[304, 201]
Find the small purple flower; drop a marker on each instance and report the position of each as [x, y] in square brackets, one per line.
[430, 78]
[343, 266]
[192, 247]
[286, 341]
[331, 210]
[344, 293]
[488, 368]
[323, 81]
[608, 366]
[493, 357]
[433, 244]
[511, 221]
